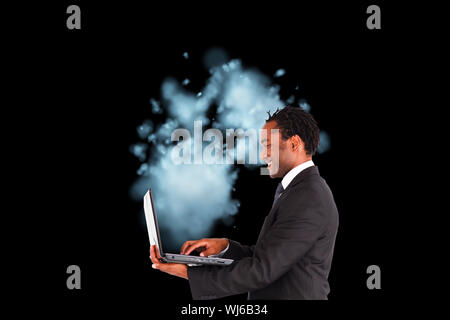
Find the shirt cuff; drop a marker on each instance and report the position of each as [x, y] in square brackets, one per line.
[221, 253]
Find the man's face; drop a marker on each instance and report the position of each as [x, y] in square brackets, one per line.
[279, 161]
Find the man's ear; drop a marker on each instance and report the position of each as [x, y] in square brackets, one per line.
[296, 143]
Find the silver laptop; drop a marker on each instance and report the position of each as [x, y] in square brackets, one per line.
[155, 239]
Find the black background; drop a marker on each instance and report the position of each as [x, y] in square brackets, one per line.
[94, 87]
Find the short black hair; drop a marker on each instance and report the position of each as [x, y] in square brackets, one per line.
[295, 121]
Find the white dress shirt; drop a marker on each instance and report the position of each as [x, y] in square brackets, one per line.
[294, 172]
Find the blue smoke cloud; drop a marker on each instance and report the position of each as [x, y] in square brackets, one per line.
[191, 198]
[279, 73]
[324, 144]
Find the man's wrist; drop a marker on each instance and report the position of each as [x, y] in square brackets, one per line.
[227, 244]
[221, 253]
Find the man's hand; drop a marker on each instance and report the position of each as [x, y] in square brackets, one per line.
[175, 269]
[206, 246]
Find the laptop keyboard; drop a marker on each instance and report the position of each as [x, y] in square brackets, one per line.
[192, 258]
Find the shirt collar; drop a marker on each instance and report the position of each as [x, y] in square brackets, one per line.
[288, 177]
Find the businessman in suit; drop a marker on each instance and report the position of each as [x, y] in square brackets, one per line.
[292, 256]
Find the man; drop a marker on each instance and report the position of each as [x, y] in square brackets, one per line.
[293, 253]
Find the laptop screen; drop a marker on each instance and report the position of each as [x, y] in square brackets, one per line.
[152, 223]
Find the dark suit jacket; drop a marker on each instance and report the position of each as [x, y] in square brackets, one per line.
[293, 253]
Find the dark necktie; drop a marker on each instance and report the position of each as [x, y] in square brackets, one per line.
[278, 192]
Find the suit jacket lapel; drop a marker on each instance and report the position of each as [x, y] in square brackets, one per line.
[301, 176]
